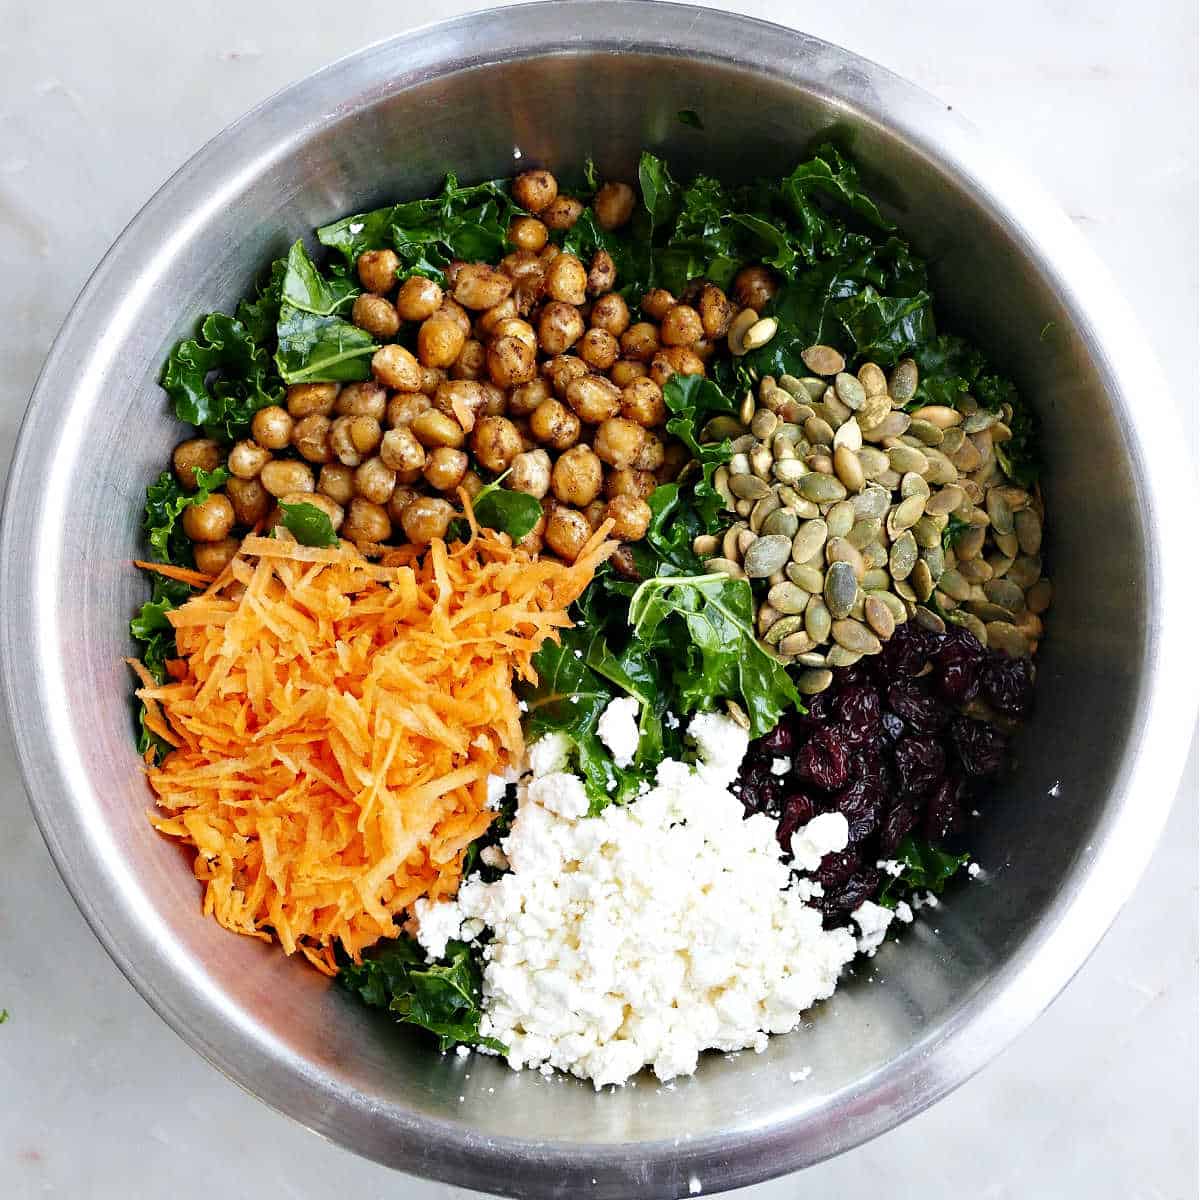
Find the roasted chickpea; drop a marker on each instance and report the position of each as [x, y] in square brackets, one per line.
[495, 400]
[716, 311]
[521, 424]
[337, 482]
[249, 499]
[485, 323]
[527, 233]
[530, 473]
[471, 361]
[704, 349]
[618, 442]
[514, 327]
[754, 287]
[602, 273]
[434, 428]
[630, 516]
[284, 475]
[471, 484]
[440, 340]
[640, 342]
[524, 399]
[611, 314]
[533, 190]
[478, 286]
[559, 327]
[377, 270]
[209, 521]
[304, 399]
[375, 481]
[404, 407]
[375, 315]
[459, 315]
[674, 360]
[431, 377]
[311, 437]
[624, 371]
[401, 451]
[628, 481]
[567, 532]
[353, 438]
[599, 349]
[566, 279]
[366, 522]
[247, 458]
[614, 205]
[680, 326]
[577, 476]
[495, 443]
[426, 518]
[418, 298]
[271, 427]
[462, 399]
[213, 557]
[330, 508]
[594, 398]
[676, 456]
[554, 425]
[395, 367]
[562, 213]
[445, 468]
[562, 369]
[642, 401]
[651, 455]
[510, 362]
[196, 454]
[402, 497]
[594, 513]
[362, 400]
[657, 302]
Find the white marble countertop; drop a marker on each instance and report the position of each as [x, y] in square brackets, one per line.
[98, 103]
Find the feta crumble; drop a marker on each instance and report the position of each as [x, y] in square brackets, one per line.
[549, 754]
[826, 833]
[780, 766]
[618, 729]
[872, 921]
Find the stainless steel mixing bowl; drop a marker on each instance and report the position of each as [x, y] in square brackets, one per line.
[483, 95]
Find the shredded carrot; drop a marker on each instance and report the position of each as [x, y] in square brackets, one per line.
[336, 722]
[183, 574]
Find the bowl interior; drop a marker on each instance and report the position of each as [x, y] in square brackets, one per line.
[390, 129]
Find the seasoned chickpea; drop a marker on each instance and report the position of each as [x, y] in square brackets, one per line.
[304, 399]
[401, 451]
[284, 475]
[485, 323]
[375, 315]
[524, 399]
[594, 513]
[434, 428]
[366, 521]
[462, 399]
[559, 327]
[629, 481]
[567, 532]
[209, 521]
[247, 458]
[594, 398]
[362, 400]
[657, 302]
[716, 311]
[510, 362]
[331, 508]
[440, 340]
[404, 407]
[495, 400]
[431, 377]
[651, 455]
[514, 327]
[553, 424]
[614, 205]
[599, 349]
[402, 497]
[676, 456]
[680, 326]
[530, 473]
[630, 516]
[337, 482]
[566, 280]
[445, 468]
[495, 443]
[471, 361]
[642, 401]
[533, 190]
[311, 438]
[611, 314]
[562, 213]
[478, 286]
[675, 360]
[271, 427]
[426, 518]
[624, 371]
[213, 557]
[377, 270]
[374, 480]
[527, 233]
[196, 454]
[521, 424]
[640, 342]
[353, 438]
[562, 369]
[754, 287]
[602, 273]
[396, 368]
[459, 315]
[577, 476]
[249, 499]
[418, 298]
[471, 484]
[618, 442]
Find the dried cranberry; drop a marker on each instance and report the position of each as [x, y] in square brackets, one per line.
[981, 747]
[858, 711]
[923, 712]
[861, 803]
[780, 740]
[823, 760]
[943, 813]
[818, 714]
[958, 664]
[906, 651]
[836, 870]
[920, 765]
[859, 887]
[1008, 684]
[798, 810]
[893, 725]
[899, 822]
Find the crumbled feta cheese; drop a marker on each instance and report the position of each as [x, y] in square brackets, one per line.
[826, 833]
[904, 913]
[651, 932]
[549, 754]
[872, 921]
[974, 870]
[891, 867]
[618, 729]
[494, 857]
[780, 766]
[799, 1076]
[436, 923]
[496, 787]
[670, 720]
[462, 1051]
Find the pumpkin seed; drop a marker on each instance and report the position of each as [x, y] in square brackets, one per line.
[873, 379]
[903, 381]
[749, 487]
[904, 458]
[999, 564]
[721, 484]
[952, 441]
[927, 533]
[999, 513]
[737, 714]
[793, 386]
[940, 470]
[905, 515]
[823, 360]
[1038, 598]
[763, 424]
[761, 461]
[806, 577]
[743, 445]
[745, 539]
[839, 656]
[726, 566]
[892, 603]
[789, 470]
[872, 501]
[833, 410]
[934, 558]
[848, 469]
[974, 570]
[788, 598]
[721, 427]
[875, 578]
[760, 333]
[947, 500]
[781, 521]
[850, 391]
[875, 408]
[1025, 572]
[838, 549]
[795, 643]
[767, 555]
[841, 586]
[873, 462]
[814, 659]
[817, 621]
[1029, 530]
[954, 585]
[855, 637]
[904, 590]
[969, 544]
[926, 432]
[738, 328]
[821, 489]
[913, 484]
[879, 617]
[921, 579]
[875, 555]
[928, 619]
[977, 422]
[762, 510]
[1005, 593]
[739, 463]
[729, 543]
[840, 518]
[705, 544]
[1008, 638]
[746, 411]
[808, 542]
[940, 415]
[766, 616]
[967, 458]
[903, 556]
[781, 628]
[794, 502]
[818, 431]
[972, 624]
[863, 532]
[814, 387]
[743, 507]
[988, 611]
[813, 680]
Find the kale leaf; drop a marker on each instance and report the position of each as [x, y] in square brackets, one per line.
[165, 502]
[692, 399]
[926, 869]
[157, 637]
[506, 511]
[308, 524]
